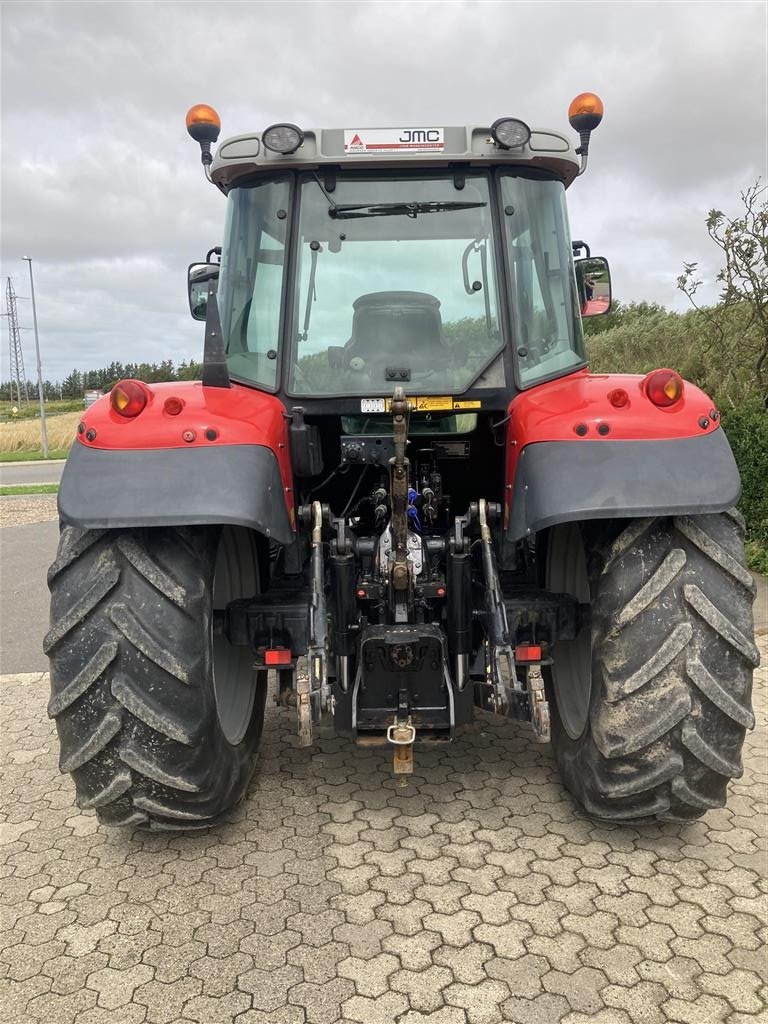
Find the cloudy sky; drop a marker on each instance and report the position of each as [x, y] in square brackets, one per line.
[103, 188]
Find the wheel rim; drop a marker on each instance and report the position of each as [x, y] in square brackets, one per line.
[571, 671]
[234, 679]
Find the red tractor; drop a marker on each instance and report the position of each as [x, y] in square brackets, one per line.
[399, 486]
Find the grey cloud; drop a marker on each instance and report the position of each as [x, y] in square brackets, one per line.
[102, 186]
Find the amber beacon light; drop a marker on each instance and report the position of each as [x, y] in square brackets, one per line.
[584, 114]
[204, 125]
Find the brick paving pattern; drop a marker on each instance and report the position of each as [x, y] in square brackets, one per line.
[475, 893]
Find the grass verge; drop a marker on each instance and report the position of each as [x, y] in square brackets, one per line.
[31, 410]
[29, 489]
[53, 453]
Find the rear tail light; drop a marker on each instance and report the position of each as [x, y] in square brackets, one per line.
[277, 656]
[664, 387]
[128, 398]
[528, 652]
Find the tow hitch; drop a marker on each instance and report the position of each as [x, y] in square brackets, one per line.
[402, 735]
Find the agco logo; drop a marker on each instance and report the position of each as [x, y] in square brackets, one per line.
[420, 135]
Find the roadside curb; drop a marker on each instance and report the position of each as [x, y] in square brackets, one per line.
[34, 462]
[31, 494]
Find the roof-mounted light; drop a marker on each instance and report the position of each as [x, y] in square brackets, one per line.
[204, 125]
[282, 138]
[584, 114]
[510, 133]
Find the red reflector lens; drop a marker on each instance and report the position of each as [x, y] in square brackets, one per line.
[128, 398]
[173, 406]
[664, 387]
[528, 652]
[618, 398]
[277, 656]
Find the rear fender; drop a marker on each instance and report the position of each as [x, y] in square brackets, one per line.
[573, 455]
[222, 460]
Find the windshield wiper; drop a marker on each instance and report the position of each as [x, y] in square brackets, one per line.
[353, 211]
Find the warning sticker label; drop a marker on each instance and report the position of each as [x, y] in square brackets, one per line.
[394, 140]
[437, 403]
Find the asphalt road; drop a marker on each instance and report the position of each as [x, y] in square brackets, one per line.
[25, 554]
[13, 473]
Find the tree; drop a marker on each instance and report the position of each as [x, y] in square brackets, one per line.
[190, 370]
[743, 242]
[72, 386]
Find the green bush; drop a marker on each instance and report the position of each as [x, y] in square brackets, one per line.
[719, 357]
[747, 430]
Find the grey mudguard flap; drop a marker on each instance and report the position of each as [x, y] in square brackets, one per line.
[234, 484]
[564, 481]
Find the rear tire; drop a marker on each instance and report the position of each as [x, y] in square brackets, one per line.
[665, 689]
[159, 720]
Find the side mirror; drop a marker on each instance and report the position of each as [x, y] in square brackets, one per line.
[593, 277]
[199, 277]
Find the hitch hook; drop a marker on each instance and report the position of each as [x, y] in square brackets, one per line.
[402, 735]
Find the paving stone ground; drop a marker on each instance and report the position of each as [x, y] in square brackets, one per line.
[474, 894]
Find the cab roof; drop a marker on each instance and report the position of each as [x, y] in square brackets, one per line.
[410, 147]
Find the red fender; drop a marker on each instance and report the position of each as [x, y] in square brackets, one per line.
[577, 408]
[209, 417]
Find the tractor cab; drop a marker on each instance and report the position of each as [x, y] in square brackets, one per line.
[437, 259]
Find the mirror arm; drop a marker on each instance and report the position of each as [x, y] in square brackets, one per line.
[215, 371]
[577, 245]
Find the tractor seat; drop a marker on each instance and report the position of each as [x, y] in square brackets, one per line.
[397, 327]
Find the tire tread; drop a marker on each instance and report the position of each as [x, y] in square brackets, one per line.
[131, 678]
[672, 668]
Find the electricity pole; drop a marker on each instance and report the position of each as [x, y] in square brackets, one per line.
[28, 259]
[18, 376]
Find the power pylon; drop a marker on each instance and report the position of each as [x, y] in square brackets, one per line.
[18, 377]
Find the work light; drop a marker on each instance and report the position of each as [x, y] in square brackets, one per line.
[510, 133]
[282, 138]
